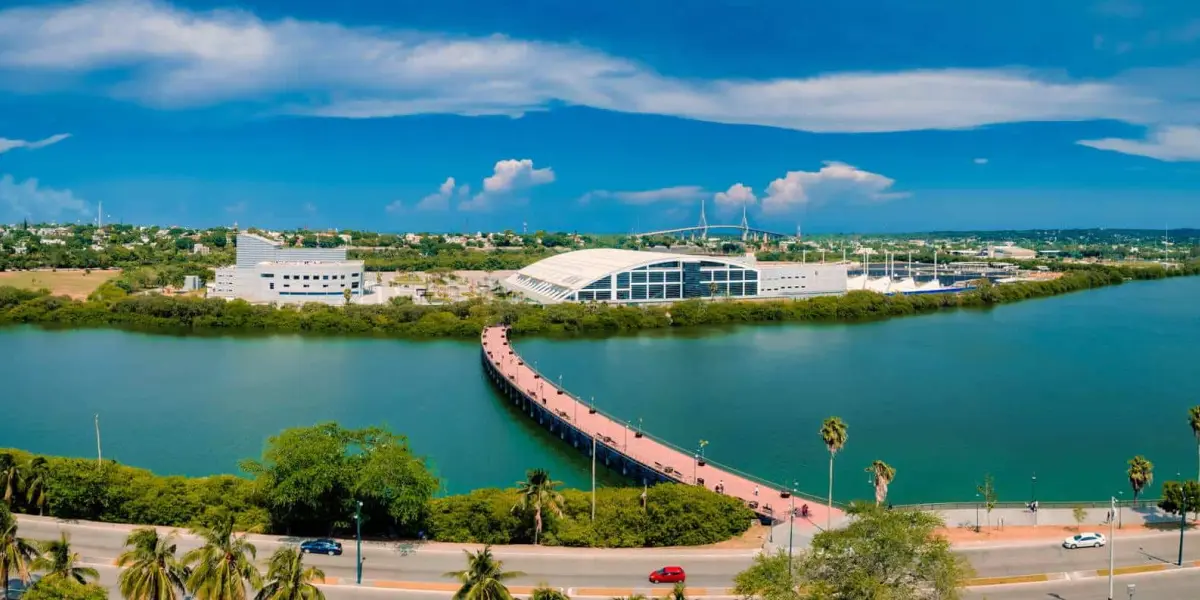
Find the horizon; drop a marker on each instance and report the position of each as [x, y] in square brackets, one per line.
[615, 116]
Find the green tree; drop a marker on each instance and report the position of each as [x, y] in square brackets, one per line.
[881, 555]
[987, 491]
[543, 592]
[1079, 514]
[678, 591]
[152, 571]
[882, 475]
[1194, 422]
[289, 579]
[15, 553]
[35, 483]
[771, 577]
[1141, 474]
[223, 566]
[10, 477]
[58, 561]
[538, 493]
[56, 588]
[484, 577]
[346, 293]
[1180, 498]
[834, 434]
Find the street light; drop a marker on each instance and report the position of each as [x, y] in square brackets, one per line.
[791, 528]
[1110, 549]
[358, 540]
[1033, 498]
[976, 512]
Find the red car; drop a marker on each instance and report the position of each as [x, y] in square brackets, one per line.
[668, 575]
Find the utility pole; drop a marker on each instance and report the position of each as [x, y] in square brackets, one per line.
[99, 457]
[358, 540]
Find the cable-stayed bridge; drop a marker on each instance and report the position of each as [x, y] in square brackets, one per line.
[703, 230]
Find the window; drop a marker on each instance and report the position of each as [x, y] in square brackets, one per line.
[272, 285]
[325, 277]
[709, 263]
[622, 281]
[735, 289]
[287, 276]
[354, 275]
[354, 285]
[720, 275]
[705, 275]
[656, 276]
[665, 265]
[639, 292]
[267, 275]
[306, 285]
[674, 291]
[325, 286]
[622, 294]
[604, 295]
[584, 296]
[287, 285]
[306, 279]
[674, 276]
[736, 274]
[656, 292]
[603, 283]
[639, 277]
[751, 275]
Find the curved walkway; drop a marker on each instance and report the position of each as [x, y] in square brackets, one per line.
[765, 498]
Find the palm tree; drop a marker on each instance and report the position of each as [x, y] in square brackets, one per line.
[35, 483]
[1141, 474]
[10, 477]
[1194, 421]
[537, 492]
[883, 474]
[288, 579]
[223, 566]
[833, 433]
[15, 553]
[679, 592]
[57, 560]
[152, 571]
[542, 592]
[484, 577]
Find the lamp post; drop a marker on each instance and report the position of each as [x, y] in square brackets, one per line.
[1110, 550]
[358, 541]
[593, 477]
[1033, 498]
[1120, 508]
[1182, 515]
[791, 527]
[977, 512]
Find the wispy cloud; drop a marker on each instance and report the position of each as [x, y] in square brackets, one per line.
[1126, 9]
[980, 161]
[835, 181]
[7, 144]
[1174, 143]
[172, 57]
[29, 199]
[679, 193]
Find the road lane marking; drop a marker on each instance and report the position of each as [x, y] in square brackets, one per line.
[981, 581]
[1131, 570]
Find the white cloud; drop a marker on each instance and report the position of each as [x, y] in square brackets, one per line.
[508, 177]
[736, 196]
[981, 161]
[439, 200]
[1170, 143]
[28, 199]
[171, 57]
[834, 182]
[7, 144]
[679, 193]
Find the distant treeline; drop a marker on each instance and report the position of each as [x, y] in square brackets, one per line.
[452, 257]
[466, 319]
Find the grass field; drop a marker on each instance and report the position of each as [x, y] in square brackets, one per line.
[63, 282]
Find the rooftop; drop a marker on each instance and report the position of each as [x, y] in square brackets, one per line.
[581, 267]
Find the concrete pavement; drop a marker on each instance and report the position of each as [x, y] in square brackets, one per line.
[1178, 585]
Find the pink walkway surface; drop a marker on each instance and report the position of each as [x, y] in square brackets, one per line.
[676, 464]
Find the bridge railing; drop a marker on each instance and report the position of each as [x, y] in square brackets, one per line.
[693, 453]
[1042, 505]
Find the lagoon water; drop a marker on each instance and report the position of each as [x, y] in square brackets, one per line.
[1068, 388]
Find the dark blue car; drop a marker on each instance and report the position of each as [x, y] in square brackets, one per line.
[329, 547]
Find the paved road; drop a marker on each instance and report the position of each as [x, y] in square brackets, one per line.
[1182, 585]
[108, 579]
[99, 543]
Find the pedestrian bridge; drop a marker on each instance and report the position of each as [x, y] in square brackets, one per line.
[630, 451]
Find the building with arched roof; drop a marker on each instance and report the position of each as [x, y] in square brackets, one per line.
[632, 276]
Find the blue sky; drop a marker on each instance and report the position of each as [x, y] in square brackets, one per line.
[614, 116]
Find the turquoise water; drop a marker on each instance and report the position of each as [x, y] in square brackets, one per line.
[1068, 388]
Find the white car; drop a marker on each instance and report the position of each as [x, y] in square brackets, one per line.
[1085, 540]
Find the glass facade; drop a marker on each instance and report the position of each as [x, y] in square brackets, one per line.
[674, 280]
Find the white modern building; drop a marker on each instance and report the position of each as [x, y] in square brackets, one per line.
[631, 276]
[266, 271]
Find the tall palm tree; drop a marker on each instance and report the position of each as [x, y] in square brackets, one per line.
[288, 579]
[15, 553]
[679, 592]
[1141, 474]
[883, 475]
[1194, 421]
[35, 483]
[833, 433]
[484, 577]
[10, 477]
[57, 560]
[223, 566]
[152, 571]
[538, 492]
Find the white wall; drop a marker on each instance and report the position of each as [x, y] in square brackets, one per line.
[801, 280]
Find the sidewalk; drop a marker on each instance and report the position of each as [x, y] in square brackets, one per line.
[1052, 524]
